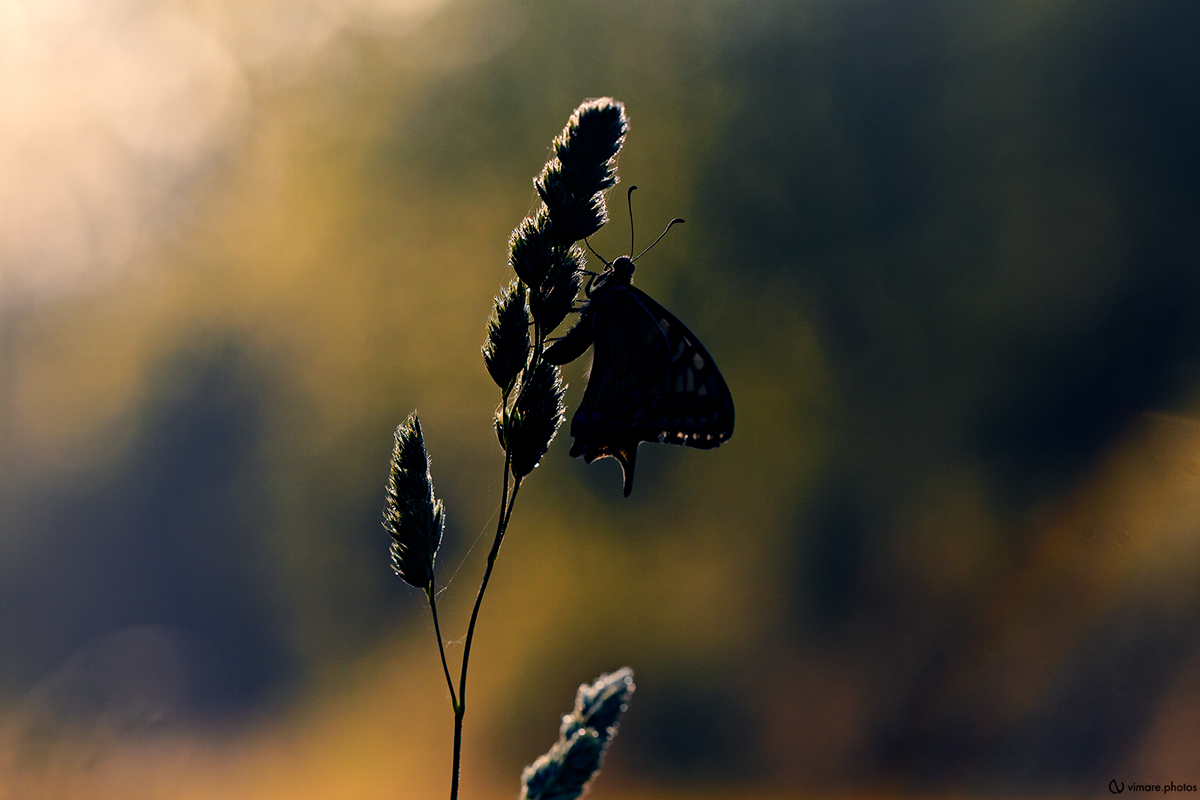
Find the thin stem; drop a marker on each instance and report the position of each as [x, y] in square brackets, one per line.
[487, 574]
[460, 709]
[441, 645]
[508, 515]
[507, 501]
[538, 345]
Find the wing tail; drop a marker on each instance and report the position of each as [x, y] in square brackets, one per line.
[627, 457]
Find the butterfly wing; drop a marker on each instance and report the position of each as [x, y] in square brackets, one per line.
[692, 405]
[573, 343]
[651, 381]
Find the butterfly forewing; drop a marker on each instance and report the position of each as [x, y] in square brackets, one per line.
[691, 404]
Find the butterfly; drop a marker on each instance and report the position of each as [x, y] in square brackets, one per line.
[650, 380]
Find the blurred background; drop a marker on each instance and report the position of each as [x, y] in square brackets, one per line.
[947, 255]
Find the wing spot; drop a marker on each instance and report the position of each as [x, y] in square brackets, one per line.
[702, 390]
[683, 343]
[691, 380]
[664, 324]
[679, 382]
[697, 361]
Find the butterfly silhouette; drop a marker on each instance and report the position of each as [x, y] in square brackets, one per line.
[650, 380]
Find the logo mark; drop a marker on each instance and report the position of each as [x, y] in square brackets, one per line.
[1115, 787]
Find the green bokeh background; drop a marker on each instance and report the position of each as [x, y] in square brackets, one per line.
[945, 253]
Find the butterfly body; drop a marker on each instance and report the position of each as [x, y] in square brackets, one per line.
[650, 381]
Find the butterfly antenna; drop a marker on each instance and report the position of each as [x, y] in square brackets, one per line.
[629, 202]
[597, 255]
[659, 239]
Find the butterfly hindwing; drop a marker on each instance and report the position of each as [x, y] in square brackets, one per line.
[651, 381]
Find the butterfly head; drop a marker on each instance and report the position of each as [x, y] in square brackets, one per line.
[622, 270]
[618, 272]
